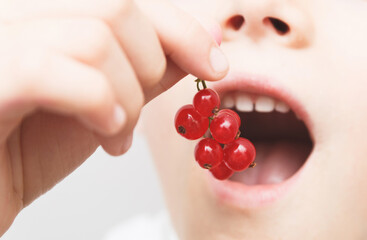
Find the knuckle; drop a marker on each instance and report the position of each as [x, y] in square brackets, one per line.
[99, 37]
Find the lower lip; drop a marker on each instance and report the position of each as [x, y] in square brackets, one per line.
[243, 196]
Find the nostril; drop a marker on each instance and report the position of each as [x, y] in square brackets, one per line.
[281, 27]
[236, 22]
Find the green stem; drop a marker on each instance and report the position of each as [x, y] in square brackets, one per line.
[198, 81]
[204, 84]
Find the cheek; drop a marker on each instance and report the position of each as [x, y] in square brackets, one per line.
[341, 61]
[343, 36]
[342, 42]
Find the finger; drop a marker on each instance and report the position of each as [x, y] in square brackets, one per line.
[116, 145]
[91, 41]
[61, 85]
[129, 93]
[181, 36]
[211, 26]
[174, 73]
[141, 45]
[132, 29]
[186, 42]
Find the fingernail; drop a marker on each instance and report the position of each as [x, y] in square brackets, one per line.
[218, 60]
[119, 116]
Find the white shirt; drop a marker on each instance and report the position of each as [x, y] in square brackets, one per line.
[144, 227]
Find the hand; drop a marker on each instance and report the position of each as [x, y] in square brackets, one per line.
[74, 74]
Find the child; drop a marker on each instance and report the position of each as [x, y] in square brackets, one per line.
[75, 75]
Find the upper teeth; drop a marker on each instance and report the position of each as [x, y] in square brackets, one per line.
[282, 107]
[244, 103]
[264, 104]
[248, 103]
[228, 101]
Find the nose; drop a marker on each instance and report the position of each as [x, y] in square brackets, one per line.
[283, 22]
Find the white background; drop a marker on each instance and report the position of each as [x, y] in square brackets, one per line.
[98, 195]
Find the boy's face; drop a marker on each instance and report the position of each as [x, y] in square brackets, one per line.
[315, 60]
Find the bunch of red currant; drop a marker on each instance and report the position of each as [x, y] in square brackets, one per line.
[225, 152]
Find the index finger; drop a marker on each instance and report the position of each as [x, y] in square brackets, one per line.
[185, 41]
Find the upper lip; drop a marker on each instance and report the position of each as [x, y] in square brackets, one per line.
[261, 85]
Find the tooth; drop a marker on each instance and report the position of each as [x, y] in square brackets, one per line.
[264, 104]
[282, 107]
[228, 101]
[244, 103]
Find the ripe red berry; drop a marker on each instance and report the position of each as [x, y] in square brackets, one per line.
[208, 153]
[234, 114]
[224, 127]
[221, 172]
[239, 155]
[206, 102]
[189, 123]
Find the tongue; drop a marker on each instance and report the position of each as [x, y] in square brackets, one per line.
[275, 162]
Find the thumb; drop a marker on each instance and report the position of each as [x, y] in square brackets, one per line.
[211, 26]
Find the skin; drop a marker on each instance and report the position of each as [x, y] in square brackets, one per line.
[323, 63]
[76, 77]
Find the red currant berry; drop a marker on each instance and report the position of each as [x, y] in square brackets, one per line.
[221, 172]
[189, 123]
[208, 153]
[207, 102]
[239, 155]
[224, 127]
[234, 114]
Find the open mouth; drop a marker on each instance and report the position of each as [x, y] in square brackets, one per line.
[281, 139]
[282, 132]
